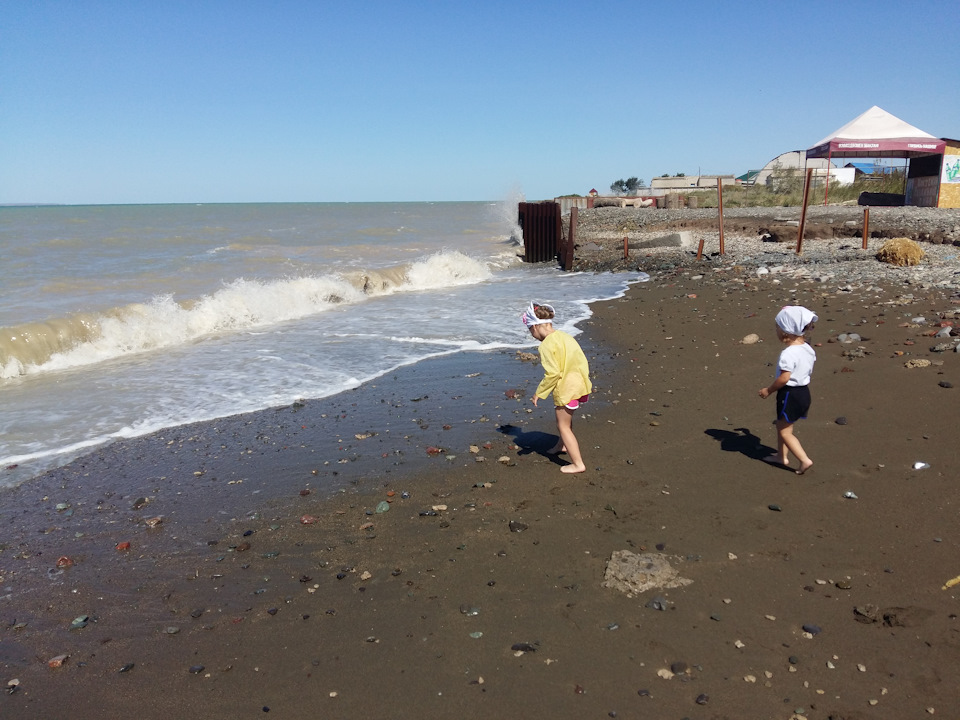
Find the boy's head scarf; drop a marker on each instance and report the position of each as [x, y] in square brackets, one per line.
[792, 319]
[529, 316]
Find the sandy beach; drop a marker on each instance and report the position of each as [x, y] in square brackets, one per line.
[407, 550]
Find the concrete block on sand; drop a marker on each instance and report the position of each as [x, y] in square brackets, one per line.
[683, 239]
[634, 574]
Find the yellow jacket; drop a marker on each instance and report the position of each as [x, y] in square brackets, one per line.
[565, 370]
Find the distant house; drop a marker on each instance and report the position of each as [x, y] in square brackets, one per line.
[870, 168]
[593, 192]
[748, 178]
[686, 182]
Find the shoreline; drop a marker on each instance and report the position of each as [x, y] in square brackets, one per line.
[378, 613]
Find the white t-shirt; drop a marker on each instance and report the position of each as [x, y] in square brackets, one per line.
[797, 360]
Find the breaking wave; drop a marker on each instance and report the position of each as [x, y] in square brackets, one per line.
[240, 305]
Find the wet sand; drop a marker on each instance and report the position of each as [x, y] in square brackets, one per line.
[478, 594]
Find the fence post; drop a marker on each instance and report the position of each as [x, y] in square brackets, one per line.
[803, 211]
[568, 255]
[866, 226]
[720, 206]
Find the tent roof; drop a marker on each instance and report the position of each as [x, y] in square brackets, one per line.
[877, 133]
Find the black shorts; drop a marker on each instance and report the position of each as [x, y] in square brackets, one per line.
[793, 403]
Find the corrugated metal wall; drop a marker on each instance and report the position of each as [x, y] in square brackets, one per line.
[542, 231]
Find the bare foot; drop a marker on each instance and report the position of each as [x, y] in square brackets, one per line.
[804, 467]
[557, 449]
[775, 459]
[570, 469]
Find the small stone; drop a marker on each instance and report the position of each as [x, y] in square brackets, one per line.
[702, 699]
[196, 669]
[946, 383]
[841, 420]
[774, 507]
[812, 629]
[678, 667]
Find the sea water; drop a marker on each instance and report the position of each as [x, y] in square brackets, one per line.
[116, 321]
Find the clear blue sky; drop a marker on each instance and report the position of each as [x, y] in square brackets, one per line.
[285, 100]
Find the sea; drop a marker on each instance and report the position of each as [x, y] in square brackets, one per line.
[120, 320]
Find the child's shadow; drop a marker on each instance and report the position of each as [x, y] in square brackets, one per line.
[743, 441]
[533, 442]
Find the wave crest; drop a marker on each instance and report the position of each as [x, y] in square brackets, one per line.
[240, 305]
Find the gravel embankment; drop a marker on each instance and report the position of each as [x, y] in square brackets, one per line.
[761, 241]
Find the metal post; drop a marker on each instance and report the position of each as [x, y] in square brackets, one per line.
[866, 226]
[720, 206]
[568, 255]
[826, 186]
[803, 211]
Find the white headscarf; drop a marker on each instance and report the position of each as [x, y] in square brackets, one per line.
[793, 319]
[529, 316]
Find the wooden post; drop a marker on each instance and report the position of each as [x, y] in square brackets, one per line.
[803, 210]
[568, 255]
[866, 226]
[720, 206]
[626, 249]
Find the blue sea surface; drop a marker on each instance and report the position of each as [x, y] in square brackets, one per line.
[116, 321]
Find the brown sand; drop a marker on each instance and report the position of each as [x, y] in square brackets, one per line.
[361, 614]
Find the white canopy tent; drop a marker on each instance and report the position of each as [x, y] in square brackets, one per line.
[876, 134]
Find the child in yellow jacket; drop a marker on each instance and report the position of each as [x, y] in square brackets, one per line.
[566, 376]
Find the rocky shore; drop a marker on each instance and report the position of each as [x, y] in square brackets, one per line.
[409, 549]
[764, 240]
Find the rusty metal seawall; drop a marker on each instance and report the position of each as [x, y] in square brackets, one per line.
[542, 230]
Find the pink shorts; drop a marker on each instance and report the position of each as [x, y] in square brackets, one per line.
[574, 404]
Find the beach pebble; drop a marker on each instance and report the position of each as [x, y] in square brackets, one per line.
[196, 669]
[57, 661]
[841, 420]
[812, 629]
[750, 339]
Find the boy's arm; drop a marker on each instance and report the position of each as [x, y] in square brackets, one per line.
[782, 379]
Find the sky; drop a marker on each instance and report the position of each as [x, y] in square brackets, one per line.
[297, 101]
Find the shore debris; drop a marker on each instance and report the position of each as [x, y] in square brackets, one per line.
[633, 573]
[901, 252]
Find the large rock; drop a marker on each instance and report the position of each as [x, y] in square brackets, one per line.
[634, 574]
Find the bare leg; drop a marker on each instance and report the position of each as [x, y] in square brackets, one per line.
[569, 440]
[787, 441]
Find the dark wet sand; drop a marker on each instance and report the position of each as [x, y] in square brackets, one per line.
[366, 614]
